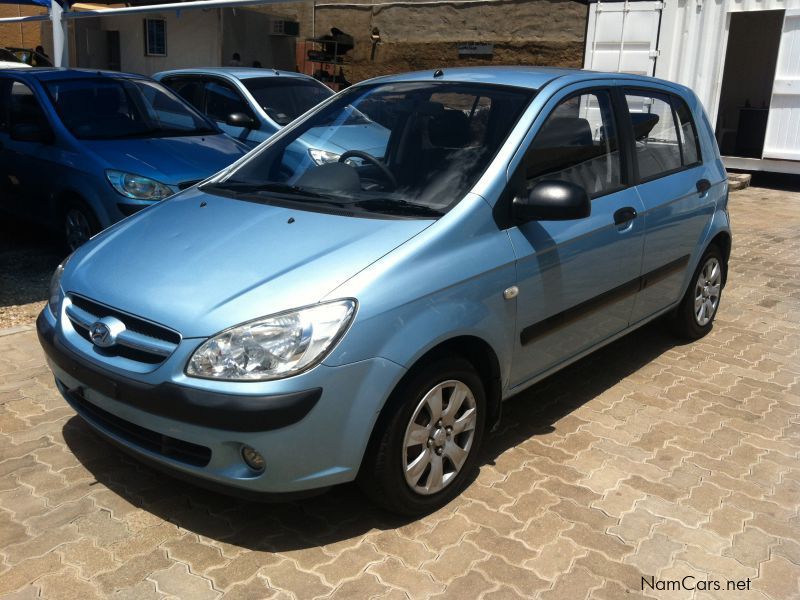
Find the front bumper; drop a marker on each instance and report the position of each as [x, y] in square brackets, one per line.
[312, 429]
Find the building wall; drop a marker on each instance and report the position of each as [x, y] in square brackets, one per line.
[193, 39]
[530, 32]
[20, 35]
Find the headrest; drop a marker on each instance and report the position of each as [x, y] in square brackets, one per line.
[562, 132]
[450, 129]
[643, 124]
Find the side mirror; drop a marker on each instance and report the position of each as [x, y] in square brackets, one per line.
[552, 201]
[31, 132]
[239, 119]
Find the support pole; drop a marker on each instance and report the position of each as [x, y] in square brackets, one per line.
[60, 37]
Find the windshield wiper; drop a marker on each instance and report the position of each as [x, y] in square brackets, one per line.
[283, 189]
[403, 207]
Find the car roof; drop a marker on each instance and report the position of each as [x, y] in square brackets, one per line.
[235, 72]
[518, 76]
[60, 74]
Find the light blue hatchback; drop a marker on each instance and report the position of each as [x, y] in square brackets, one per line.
[288, 326]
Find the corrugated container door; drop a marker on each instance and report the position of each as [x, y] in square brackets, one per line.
[623, 37]
[783, 128]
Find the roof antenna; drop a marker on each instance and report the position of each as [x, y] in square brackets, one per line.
[438, 73]
[276, 71]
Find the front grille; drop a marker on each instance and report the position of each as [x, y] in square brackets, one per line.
[169, 447]
[188, 184]
[144, 341]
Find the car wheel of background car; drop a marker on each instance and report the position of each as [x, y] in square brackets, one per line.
[80, 224]
[422, 455]
[694, 316]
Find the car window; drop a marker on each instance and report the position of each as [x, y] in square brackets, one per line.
[5, 86]
[577, 143]
[222, 101]
[24, 108]
[188, 88]
[657, 142]
[114, 108]
[398, 148]
[286, 98]
[688, 131]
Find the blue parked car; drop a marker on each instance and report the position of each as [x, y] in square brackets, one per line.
[254, 104]
[284, 328]
[80, 150]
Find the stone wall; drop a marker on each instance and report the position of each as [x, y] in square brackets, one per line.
[529, 32]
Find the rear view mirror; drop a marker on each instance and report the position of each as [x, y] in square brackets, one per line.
[239, 119]
[552, 201]
[31, 132]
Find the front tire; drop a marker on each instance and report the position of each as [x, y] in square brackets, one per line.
[79, 223]
[695, 315]
[422, 455]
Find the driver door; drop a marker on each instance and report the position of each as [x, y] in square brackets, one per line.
[577, 279]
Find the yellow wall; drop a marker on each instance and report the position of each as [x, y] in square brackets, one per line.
[21, 35]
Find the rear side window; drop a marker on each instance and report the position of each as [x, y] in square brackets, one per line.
[577, 143]
[664, 133]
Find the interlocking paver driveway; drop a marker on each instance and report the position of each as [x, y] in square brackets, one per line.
[647, 459]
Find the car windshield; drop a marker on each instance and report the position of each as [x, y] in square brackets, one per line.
[407, 149]
[114, 108]
[285, 99]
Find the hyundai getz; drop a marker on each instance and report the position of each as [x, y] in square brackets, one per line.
[285, 327]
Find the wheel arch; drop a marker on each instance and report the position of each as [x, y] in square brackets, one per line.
[472, 348]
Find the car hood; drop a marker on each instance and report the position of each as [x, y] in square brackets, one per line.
[201, 263]
[172, 160]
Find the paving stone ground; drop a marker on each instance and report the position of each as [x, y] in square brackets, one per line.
[648, 459]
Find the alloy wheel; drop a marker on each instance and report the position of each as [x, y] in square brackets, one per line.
[439, 437]
[77, 228]
[706, 291]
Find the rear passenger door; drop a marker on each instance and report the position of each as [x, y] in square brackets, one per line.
[577, 279]
[674, 186]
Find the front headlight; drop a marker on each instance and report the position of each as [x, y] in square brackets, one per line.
[54, 294]
[320, 157]
[273, 347]
[137, 187]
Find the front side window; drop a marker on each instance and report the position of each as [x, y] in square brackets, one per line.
[285, 99]
[577, 143]
[655, 132]
[406, 149]
[188, 88]
[111, 108]
[24, 108]
[222, 101]
[155, 37]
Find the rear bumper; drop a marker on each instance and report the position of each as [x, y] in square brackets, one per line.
[312, 431]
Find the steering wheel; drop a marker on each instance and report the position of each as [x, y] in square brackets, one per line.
[387, 174]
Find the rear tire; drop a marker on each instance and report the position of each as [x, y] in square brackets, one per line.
[420, 458]
[78, 224]
[695, 315]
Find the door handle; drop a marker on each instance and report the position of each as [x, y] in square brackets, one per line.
[703, 186]
[624, 215]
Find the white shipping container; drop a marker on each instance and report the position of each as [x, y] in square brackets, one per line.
[744, 67]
